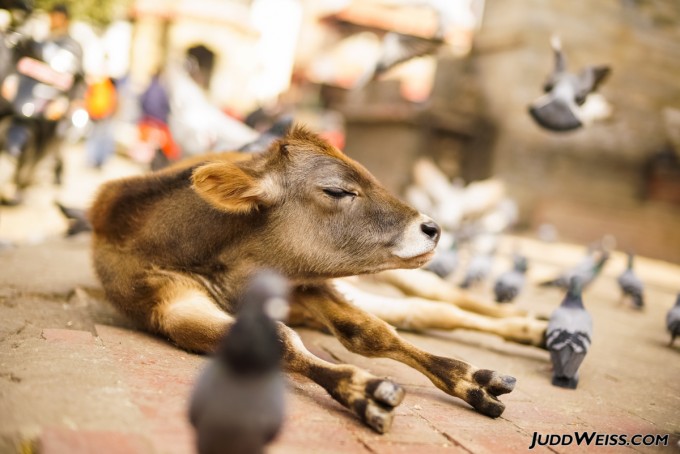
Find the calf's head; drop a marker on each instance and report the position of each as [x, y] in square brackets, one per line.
[321, 213]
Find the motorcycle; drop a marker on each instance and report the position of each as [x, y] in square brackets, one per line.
[39, 89]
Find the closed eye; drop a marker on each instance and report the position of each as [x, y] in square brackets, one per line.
[338, 193]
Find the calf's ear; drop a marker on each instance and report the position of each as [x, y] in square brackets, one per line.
[229, 187]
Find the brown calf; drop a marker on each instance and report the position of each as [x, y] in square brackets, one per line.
[174, 249]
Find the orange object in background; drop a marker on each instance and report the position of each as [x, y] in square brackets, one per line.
[100, 99]
[157, 133]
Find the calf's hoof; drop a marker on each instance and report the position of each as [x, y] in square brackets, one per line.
[376, 405]
[490, 384]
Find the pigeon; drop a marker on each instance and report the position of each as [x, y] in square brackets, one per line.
[568, 337]
[563, 107]
[445, 261]
[478, 269]
[509, 284]
[586, 270]
[631, 285]
[77, 219]
[673, 320]
[275, 132]
[397, 48]
[237, 403]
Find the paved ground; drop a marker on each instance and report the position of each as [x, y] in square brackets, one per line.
[75, 377]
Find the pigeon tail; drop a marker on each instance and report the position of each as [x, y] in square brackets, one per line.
[554, 114]
[565, 382]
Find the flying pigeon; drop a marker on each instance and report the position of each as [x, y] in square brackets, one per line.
[237, 403]
[398, 48]
[568, 337]
[631, 285]
[673, 320]
[509, 284]
[586, 270]
[564, 107]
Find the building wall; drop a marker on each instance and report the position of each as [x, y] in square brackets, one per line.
[588, 182]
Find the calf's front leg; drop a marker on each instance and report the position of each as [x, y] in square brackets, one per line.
[367, 335]
[195, 322]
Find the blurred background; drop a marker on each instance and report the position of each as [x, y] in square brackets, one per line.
[159, 80]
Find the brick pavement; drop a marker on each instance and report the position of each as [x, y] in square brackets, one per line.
[77, 378]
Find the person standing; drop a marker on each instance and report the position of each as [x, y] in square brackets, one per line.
[100, 102]
[153, 126]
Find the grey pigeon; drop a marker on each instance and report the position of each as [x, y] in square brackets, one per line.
[568, 337]
[586, 270]
[478, 269]
[631, 285]
[398, 48]
[237, 403]
[560, 108]
[444, 261]
[673, 320]
[509, 284]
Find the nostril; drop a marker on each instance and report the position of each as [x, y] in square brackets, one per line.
[431, 229]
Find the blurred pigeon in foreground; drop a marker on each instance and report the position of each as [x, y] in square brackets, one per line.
[564, 107]
[509, 284]
[237, 404]
[568, 337]
[673, 320]
[631, 285]
[586, 270]
[77, 220]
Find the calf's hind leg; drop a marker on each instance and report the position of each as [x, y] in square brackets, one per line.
[194, 322]
[367, 335]
[412, 313]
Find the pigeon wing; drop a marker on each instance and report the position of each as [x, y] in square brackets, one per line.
[673, 320]
[589, 79]
[630, 283]
[398, 48]
[569, 327]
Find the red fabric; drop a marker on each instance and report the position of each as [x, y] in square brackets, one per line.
[157, 132]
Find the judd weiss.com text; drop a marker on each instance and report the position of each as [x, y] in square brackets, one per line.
[597, 439]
